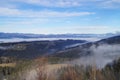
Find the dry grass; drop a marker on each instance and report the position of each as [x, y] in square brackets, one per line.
[61, 72]
[43, 70]
[8, 65]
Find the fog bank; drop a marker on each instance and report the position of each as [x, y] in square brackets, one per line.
[101, 55]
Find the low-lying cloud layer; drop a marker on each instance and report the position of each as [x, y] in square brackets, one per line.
[101, 55]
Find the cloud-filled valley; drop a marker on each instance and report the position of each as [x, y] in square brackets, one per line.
[100, 55]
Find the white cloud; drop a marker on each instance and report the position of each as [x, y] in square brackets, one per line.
[30, 13]
[63, 3]
[53, 3]
[27, 22]
[111, 4]
[74, 3]
[9, 12]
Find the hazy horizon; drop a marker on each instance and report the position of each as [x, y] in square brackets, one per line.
[116, 32]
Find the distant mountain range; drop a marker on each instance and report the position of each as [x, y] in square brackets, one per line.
[34, 49]
[58, 48]
[100, 52]
[22, 35]
[85, 49]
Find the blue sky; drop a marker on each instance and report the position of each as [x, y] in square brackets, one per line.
[59, 16]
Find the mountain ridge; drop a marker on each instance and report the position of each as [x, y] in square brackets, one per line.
[28, 35]
[84, 49]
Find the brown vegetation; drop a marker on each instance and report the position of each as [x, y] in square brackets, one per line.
[41, 69]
